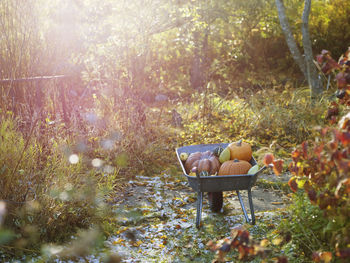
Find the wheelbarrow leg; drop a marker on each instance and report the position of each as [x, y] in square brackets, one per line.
[243, 207]
[251, 206]
[252, 220]
[199, 208]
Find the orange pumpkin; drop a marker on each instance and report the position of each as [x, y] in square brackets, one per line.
[204, 161]
[234, 167]
[240, 150]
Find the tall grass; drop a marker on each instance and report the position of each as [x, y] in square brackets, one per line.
[47, 197]
[283, 117]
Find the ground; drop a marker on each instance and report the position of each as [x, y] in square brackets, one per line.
[157, 218]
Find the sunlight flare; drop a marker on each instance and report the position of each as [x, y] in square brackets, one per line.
[74, 159]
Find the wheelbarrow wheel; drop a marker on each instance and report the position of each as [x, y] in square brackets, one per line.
[215, 201]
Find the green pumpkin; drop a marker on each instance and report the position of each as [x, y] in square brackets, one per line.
[217, 151]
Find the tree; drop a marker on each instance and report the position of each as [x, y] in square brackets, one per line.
[306, 65]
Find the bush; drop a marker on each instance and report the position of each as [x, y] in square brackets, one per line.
[321, 168]
[45, 197]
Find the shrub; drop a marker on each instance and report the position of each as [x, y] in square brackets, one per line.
[47, 197]
[322, 169]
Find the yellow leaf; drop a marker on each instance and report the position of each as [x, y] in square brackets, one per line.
[277, 241]
[264, 243]
[118, 241]
[137, 244]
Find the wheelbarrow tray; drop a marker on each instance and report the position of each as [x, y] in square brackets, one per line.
[221, 183]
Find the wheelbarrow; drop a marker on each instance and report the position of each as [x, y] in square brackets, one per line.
[215, 185]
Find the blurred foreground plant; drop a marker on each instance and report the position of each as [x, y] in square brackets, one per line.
[47, 198]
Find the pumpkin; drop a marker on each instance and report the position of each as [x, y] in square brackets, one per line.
[225, 155]
[217, 151]
[240, 150]
[204, 161]
[234, 167]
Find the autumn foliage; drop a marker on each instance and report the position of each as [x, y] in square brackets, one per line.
[322, 169]
[242, 241]
[341, 72]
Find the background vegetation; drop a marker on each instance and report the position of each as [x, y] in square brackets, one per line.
[140, 79]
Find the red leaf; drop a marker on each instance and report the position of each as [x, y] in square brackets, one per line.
[318, 150]
[293, 184]
[277, 166]
[244, 237]
[326, 68]
[333, 145]
[295, 155]
[333, 64]
[304, 146]
[312, 195]
[337, 155]
[341, 80]
[242, 252]
[319, 59]
[333, 111]
[268, 158]
[345, 138]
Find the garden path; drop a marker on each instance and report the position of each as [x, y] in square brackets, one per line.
[157, 218]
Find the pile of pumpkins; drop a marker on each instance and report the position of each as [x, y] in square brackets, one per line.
[232, 160]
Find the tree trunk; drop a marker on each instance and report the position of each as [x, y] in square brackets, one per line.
[292, 45]
[200, 63]
[313, 79]
[306, 65]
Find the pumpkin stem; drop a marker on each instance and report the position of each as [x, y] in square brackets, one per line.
[239, 143]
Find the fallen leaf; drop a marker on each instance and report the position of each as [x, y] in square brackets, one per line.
[118, 241]
[277, 203]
